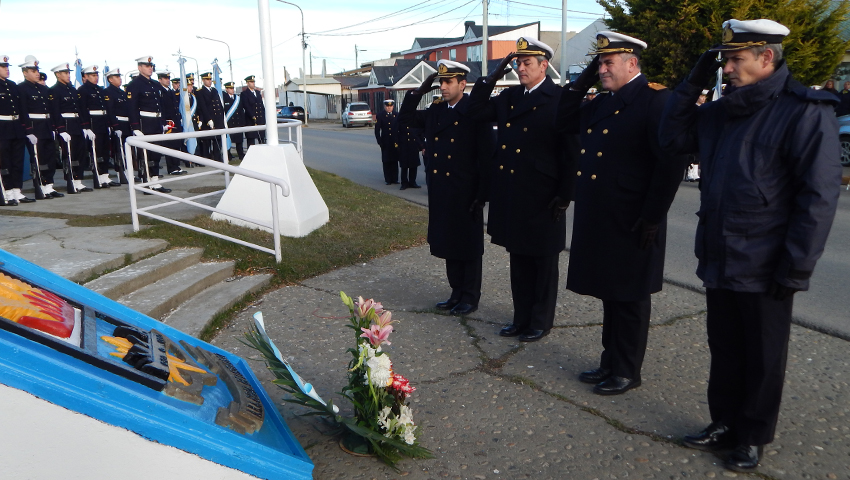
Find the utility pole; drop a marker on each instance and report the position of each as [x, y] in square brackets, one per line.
[564, 67]
[484, 42]
[303, 56]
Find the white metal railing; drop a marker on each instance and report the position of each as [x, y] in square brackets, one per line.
[148, 143]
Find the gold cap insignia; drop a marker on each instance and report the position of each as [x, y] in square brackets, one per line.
[443, 69]
[5, 59]
[35, 63]
[602, 41]
[727, 34]
[522, 44]
[150, 59]
[94, 68]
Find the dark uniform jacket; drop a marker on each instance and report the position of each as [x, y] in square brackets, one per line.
[10, 105]
[118, 109]
[209, 107]
[145, 95]
[171, 107]
[844, 106]
[66, 109]
[93, 108]
[238, 117]
[36, 100]
[387, 135]
[255, 112]
[623, 175]
[533, 165]
[412, 142]
[770, 179]
[458, 149]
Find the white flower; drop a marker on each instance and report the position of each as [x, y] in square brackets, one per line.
[383, 417]
[406, 416]
[379, 370]
[409, 436]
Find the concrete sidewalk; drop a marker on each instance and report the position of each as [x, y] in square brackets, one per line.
[491, 407]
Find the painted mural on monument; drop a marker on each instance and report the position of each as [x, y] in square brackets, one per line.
[63, 342]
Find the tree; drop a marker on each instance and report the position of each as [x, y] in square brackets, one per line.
[679, 32]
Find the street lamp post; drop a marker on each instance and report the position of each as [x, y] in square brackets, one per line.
[229, 61]
[356, 60]
[303, 59]
[197, 68]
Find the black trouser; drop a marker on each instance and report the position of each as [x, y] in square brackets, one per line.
[625, 327]
[46, 159]
[236, 139]
[118, 160]
[74, 156]
[748, 339]
[408, 175]
[172, 164]
[153, 163]
[252, 139]
[12, 162]
[465, 279]
[101, 145]
[534, 288]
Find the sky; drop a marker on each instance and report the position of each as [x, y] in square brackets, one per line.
[115, 33]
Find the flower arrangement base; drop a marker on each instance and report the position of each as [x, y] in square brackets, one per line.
[355, 445]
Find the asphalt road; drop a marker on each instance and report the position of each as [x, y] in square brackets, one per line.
[354, 154]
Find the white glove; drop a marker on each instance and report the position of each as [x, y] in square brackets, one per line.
[210, 123]
[119, 133]
[32, 139]
[65, 136]
[138, 133]
[88, 134]
[164, 128]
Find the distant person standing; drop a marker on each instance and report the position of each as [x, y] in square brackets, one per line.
[844, 107]
[69, 128]
[12, 139]
[144, 97]
[255, 110]
[96, 126]
[387, 135]
[35, 101]
[172, 118]
[770, 185]
[119, 117]
[459, 150]
[412, 144]
[235, 116]
[212, 115]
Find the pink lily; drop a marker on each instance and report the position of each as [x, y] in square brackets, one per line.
[363, 306]
[385, 319]
[377, 334]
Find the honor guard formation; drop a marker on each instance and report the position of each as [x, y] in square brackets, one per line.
[83, 129]
[769, 185]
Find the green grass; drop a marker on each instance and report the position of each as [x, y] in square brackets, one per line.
[364, 224]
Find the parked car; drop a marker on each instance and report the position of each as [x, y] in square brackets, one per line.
[291, 113]
[844, 137]
[357, 113]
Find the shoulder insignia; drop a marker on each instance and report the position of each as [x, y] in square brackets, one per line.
[655, 86]
[129, 95]
[106, 98]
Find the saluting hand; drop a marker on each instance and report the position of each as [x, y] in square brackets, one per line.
[502, 69]
[648, 233]
[705, 69]
[588, 78]
[426, 85]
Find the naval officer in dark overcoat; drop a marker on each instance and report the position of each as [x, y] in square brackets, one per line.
[387, 136]
[625, 184]
[66, 121]
[458, 149]
[255, 110]
[36, 105]
[118, 110]
[531, 183]
[144, 98]
[96, 123]
[237, 117]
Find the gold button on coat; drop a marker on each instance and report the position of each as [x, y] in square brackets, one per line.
[615, 113]
[435, 139]
[605, 132]
[450, 157]
[447, 174]
[593, 177]
[512, 172]
[455, 123]
[578, 173]
[599, 154]
[435, 171]
[504, 147]
[507, 124]
[452, 140]
[517, 150]
[525, 129]
[501, 167]
[435, 154]
[582, 150]
[589, 130]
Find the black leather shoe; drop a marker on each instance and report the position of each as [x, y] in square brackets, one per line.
[533, 335]
[595, 376]
[113, 183]
[447, 305]
[744, 458]
[511, 331]
[414, 186]
[11, 203]
[55, 194]
[388, 183]
[716, 436]
[26, 200]
[403, 187]
[85, 189]
[162, 189]
[178, 172]
[463, 309]
[616, 385]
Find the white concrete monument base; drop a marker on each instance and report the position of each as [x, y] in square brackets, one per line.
[300, 213]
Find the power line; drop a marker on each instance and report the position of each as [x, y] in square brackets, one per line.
[549, 8]
[462, 19]
[382, 17]
[369, 32]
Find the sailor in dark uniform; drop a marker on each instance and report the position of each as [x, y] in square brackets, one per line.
[531, 184]
[119, 119]
[233, 108]
[144, 97]
[411, 145]
[12, 139]
[255, 111]
[95, 121]
[212, 116]
[66, 121]
[387, 135]
[35, 102]
[625, 184]
[171, 116]
[459, 151]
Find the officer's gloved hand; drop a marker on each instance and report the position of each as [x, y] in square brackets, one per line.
[138, 133]
[780, 292]
[501, 70]
[119, 134]
[558, 206]
[66, 136]
[88, 133]
[426, 85]
[705, 69]
[210, 123]
[32, 138]
[477, 209]
[588, 78]
[648, 233]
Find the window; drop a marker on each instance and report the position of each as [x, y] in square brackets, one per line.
[453, 54]
[473, 54]
[439, 54]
